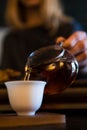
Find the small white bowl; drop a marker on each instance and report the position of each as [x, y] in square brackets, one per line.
[25, 97]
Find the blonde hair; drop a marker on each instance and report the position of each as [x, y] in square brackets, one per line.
[51, 12]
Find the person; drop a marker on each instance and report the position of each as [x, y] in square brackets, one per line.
[37, 23]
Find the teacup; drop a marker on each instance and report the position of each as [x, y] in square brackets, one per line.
[25, 97]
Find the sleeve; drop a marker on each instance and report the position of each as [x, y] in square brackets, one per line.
[76, 26]
[66, 29]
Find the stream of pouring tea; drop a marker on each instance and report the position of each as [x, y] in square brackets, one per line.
[27, 73]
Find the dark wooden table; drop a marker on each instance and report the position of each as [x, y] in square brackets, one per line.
[71, 120]
[72, 104]
[40, 121]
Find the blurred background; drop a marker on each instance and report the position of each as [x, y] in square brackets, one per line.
[75, 8]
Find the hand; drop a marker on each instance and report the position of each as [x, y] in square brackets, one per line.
[77, 45]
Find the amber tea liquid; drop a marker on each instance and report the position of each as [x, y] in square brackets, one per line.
[58, 75]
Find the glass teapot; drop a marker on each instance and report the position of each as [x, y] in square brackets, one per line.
[53, 64]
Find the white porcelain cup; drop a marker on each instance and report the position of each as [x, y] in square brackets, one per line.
[25, 97]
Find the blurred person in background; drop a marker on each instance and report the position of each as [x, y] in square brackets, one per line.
[38, 23]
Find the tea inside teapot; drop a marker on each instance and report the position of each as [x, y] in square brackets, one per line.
[53, 64]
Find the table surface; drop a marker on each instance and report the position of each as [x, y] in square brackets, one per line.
[71, 120]
[67, 111]
[40, 120]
